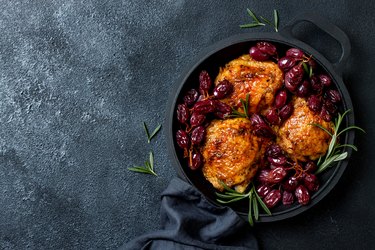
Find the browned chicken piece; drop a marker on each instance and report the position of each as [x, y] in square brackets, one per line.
[260, 80]
[301, 140]
[231, 153]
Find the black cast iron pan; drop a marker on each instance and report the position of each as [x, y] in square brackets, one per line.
[216, 56]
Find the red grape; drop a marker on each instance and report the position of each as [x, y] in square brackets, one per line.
[288, 198]
[333, 95]
[191, 97]
[315, 103]
[286, 111]
[303, 90]
[274, 150]
[263, 176]
[197, 119]
[312, 63]
[311, 182]
[263, 130]
[290, 83]
[325, 115]
[263, 190]
[290, 184]
[330, 107]
[286, 63]
[276, 175]
[222, 110]
[325, 80]
[294, 53]
[277, 161]
[196, 160]
[197, 135]
[182, 113]
[316, 85]
[257, 54]
[205, 82]
[256, 119]
[302, 195]
[204, 107]
[272, 198]
[311, 167]
[272, 116]
[267, 48]
[281, 98]
[223, 89]
[182, 139]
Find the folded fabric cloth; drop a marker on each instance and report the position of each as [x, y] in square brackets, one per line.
[189, 221]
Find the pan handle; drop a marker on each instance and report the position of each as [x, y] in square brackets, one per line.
[328, 28]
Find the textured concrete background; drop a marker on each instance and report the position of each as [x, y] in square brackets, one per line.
[78, 78]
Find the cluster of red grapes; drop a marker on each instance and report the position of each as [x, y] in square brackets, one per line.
[301, 80]
[281, 179]
[194, 113]
[284, 180]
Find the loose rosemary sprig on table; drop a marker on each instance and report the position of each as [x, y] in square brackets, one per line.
[150, 136]
[148, 168]
[231, 195]
[256, 22]
[335, 152]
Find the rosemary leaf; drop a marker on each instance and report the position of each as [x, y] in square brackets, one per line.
[140, 170]
[332, 145]
[250, 214]
[321, 127]
[227, 188]
[225, 196]
[266, 21]
[253, 15]
[305, 67]
[151, 161]
[351, 127]
[319, 160]
[231, 200]
[251, 25]
[255, 207]
[147, 133]
[156, 130]
[348, 145]
[260, 201]
[341, 157]
[276, 20]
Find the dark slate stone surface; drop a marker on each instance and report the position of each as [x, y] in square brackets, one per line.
[77, 79]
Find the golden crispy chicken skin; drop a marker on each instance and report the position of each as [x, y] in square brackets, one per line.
[230, 153]
[301, 140]
[260, 80]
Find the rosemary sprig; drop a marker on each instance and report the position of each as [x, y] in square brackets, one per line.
[335, 151]
[231, 195]
[150, 136]
[245, 107]
[256, 22]
[148, 168]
